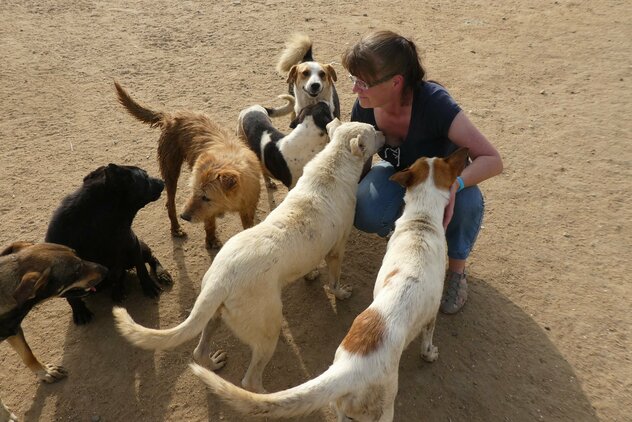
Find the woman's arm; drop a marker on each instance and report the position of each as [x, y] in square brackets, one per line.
[486, 161]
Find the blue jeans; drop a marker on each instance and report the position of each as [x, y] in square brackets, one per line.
[380, 203]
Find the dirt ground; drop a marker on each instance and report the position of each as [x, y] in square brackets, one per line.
[546, 332]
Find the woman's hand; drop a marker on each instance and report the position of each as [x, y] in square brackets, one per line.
[449, 209]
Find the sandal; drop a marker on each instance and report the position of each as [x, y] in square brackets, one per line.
[455, 293]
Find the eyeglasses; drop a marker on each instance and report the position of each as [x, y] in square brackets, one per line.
[363, 86]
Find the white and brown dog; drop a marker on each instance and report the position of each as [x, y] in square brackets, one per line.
[243, 285]
[362, 381]
[284, 156]
[309, 81]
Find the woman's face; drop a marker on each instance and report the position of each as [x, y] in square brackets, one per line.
[376, 95]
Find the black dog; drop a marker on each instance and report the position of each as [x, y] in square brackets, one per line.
[96, 221]
[29, 274]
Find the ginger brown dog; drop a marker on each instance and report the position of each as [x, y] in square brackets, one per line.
[225, 173]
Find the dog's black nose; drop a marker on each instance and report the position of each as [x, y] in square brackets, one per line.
[185, 216]
[314, 87]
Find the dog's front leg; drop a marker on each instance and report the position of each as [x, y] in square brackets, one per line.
[334, 268]
[47, 373]
[80, 312]
[211, 239]
[117, 275]
[157, 271]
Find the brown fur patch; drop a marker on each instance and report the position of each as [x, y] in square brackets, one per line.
[443, 174]
[366, 333]
[413, 175]
[389, 276]
[446, 170]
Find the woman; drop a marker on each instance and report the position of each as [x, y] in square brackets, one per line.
[418, 118]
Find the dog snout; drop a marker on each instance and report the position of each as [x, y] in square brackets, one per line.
[315, 87]
[185, 216]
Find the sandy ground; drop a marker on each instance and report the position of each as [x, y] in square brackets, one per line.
[546, 332]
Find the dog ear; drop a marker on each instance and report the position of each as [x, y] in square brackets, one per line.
[404, 177]
[332, 126]
[291, 75]
[457, 160]
[30, 284]
[331, 72]
[95, 174]
[15, 247]
[228, 180]
[358, 146]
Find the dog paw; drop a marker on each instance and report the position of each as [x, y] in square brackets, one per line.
[431, 354]
[213, 361]
[217, 360]
[52, 373]
[342, 292]
[312, 275]
[213, 244]
[178, 232]
[164, 277]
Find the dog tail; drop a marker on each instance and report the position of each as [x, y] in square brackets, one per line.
[204, 309]
[283, 110]
[142, 113]
[298, 49]
[338, 380]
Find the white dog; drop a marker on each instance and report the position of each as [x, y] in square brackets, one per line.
[362, 381]
[309, 81]
[243, 285]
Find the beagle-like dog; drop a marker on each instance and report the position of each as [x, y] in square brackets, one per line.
[309, 81]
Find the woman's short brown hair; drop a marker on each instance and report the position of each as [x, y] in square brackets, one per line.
[382, 53]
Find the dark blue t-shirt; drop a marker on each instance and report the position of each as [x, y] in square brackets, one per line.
[432, 114]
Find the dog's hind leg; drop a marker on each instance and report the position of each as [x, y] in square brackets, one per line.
[429, 352]
[45, 373]
[170, 170]
[202, 354]
[334, 268]
[156, 269]
[259, 327]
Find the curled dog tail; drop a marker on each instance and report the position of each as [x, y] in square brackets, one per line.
[283, 110]
[298, 49]
[306, 398]
[142, 113]
[206, 306]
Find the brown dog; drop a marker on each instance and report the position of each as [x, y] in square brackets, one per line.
[30, 274]
[225, 172]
